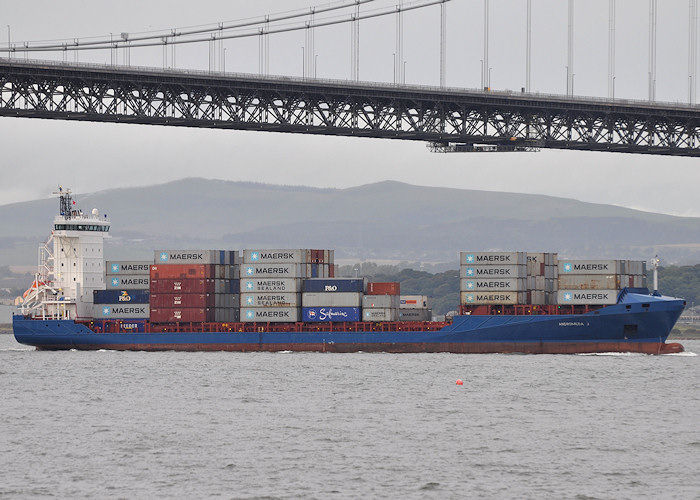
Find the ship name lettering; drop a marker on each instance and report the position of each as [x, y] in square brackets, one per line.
[571, 323]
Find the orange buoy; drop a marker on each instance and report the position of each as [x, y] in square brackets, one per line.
[459, 381]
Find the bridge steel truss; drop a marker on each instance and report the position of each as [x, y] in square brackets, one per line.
[442, 117]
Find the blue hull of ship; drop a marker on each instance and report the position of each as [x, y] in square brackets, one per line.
[641, 323]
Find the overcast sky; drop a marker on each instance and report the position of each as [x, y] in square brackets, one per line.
[37, 155]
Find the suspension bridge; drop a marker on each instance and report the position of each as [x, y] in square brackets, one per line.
[449, 119]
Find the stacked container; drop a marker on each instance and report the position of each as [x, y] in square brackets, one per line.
[542, 275]
[381, 302]
[597, 282]
[497, 278]
[127, 291]
[271, 281]
[333, 299]
[194, 286]
[414, 308]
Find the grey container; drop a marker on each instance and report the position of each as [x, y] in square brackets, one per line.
[380, 314]
[413, 302]
[226, 315]
[270, 299]
[270, 314]
[415, 314]
[331, 299]
[128, 267]
[270, 285]
[381, 301]
[227, 300]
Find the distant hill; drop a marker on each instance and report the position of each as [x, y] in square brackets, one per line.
[382, 221]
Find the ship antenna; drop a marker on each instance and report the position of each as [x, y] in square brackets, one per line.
[65, 202]
[655, 264]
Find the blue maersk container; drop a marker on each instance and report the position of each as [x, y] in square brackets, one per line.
[330, 285]
[121, 296]
[335, 314]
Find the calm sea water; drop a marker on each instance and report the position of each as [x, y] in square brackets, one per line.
[297, 425]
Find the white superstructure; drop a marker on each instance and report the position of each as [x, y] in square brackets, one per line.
[71, 264]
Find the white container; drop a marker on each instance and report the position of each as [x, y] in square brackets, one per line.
[275, 256]
[413, 302]
[270, 285]
[381, 301]
[503, 272]
[494, 298]
[133, 281]
[270, 314]
[380, 314]
[331, 299]
[270, 299]
[495, 284]
[493, 258]
[128, 267]
[195, 257]
[121, 311]
[587, 297]
[273, 271]
[607, 267]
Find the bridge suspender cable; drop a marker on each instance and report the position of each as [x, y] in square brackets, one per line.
[174, 35]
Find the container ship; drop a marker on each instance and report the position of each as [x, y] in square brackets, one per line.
[291, 300]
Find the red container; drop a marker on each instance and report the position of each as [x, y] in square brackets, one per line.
[178, 285]
[189, 271]
[185, 300]
[389, 288]
[331, 270]
[181, 315]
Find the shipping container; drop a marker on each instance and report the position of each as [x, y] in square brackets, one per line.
[493, 284]
[182, 315]
[227, 315]
[591, 282]
[131, 296]
[227, 300]
[494, 298]
[519, 271]
[270, 315]
[121, 311]
[493, 258]
[415, 314]
[226, 286]
[270, 299]
[380, 314]
[182, 286]
[333, 285]
[381, 301]
[607, 267]
[335, 299]
[196, 257]
[181, 271]
[589, 297]
[334, 314]
[273, 271]
[388, 288]
[188, 300]
[131, 267]
[270, 285]
[413, 302]
[276, 256]
[132, 281]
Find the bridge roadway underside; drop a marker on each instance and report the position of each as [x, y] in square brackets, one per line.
[65, 91]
